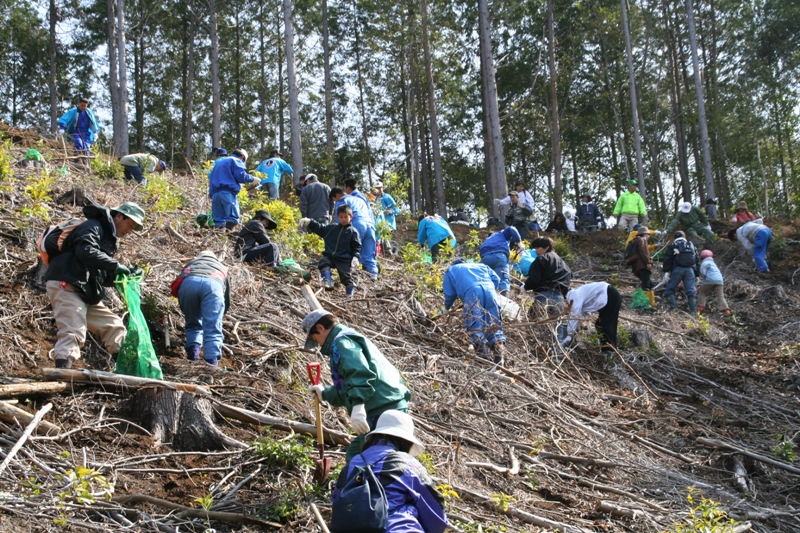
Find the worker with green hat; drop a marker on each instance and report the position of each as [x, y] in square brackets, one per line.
[630, 206]
[78, 274]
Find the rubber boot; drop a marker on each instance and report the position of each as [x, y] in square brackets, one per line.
[350, 291]
[693, 305]
[651, 295]
[192, 352]
[671, 302]
[327, 278]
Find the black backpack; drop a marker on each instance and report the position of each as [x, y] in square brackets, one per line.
[687, 255]
[631, 255]
[361, 506]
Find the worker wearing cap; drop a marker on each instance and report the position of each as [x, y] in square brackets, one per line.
[253, 244]
[642, 264]
[77, 276]
[274, 168]
[136, 166]
[630, 206]
[693, 221]
[224, 184]
[364, 381]
[387, 206]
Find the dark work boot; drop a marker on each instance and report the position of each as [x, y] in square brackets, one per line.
[327, 278]
[192, 352]
[482, 350]
[64, 363]
[671, 302]
[693, 305]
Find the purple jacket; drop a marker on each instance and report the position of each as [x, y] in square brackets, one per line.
[415, 506]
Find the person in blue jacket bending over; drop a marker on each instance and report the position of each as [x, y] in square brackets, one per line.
[434, 231]
[274, 167]
[387, 205]
[495, 252]
[475, 284]
[364, 224]
[79, 122]
[413, 503]
[224, 184]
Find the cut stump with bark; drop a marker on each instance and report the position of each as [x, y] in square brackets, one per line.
[183, 420]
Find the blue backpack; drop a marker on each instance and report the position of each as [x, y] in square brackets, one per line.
[361, 506]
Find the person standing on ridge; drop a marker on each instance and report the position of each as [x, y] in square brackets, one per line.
[80, 124]
[630, 207]
[224, 184]
[274, 167]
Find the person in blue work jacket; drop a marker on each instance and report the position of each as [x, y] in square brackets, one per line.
[495, 252]
[364, 223]
[387, 205]
[414, 504]
[435, 233]
[274, 167]
[224, 184]
[475, 284]
[80, 124]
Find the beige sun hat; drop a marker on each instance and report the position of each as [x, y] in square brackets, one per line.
[398, 424]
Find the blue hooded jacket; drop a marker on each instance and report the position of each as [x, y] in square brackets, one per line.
[388, 204]
[69, 122]
[228, 174]
[362, 214]
[460, 280]
[274, 168]
[414, 505]
[433, 230]
[502, 241]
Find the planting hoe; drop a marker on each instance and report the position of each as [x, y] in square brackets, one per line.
[323, 466]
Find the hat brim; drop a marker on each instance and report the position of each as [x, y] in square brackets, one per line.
[310, 344]
[417, 447]
[136, 219]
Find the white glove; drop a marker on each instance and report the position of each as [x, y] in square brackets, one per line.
[358, 419]
[666, 277]
[316, 389]
[520, 246]
[354, 263]
[566, 341]
[303, 224]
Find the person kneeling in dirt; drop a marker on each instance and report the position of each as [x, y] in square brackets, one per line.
[253, 244]
[549, 277]
[642, 264]
[475, 284]
[77, 276]
[682, 263]
[755, 238]
[364, 381]
[413, 503]
[342, 245]
[203, 293]
[135, 166]
[712, 282]
[603, 299]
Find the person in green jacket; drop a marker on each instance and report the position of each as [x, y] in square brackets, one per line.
[693, 221]
[364, 381]
[137, 165]
[630, 206]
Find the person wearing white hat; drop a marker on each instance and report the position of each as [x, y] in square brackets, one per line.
[387, 206]
[414, 504]
[364, 381]
[693, 221]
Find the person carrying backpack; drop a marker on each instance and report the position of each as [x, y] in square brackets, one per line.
[637, 254]
[78, 274]
[364, 381]
[409, 503]
[683, 264]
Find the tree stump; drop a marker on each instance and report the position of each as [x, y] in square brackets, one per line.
[183, 420]
[76, 196]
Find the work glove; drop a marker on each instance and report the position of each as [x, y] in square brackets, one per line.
[303, 224]
[61, 131]
[497, 201]
[122, 270]
[521, 246]
[316, 389]
[358, 419]
[567, 340]
[354, 263]
[522, 288]
[136, 271]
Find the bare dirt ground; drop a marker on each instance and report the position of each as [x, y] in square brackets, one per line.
[567, 442]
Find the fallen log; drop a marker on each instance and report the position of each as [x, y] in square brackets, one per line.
[33, 388]
[110, 379]
[10, 413]
[251, 417]
[719, 444]
[615, 510]
[191, 512]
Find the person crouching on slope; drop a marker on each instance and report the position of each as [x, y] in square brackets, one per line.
[712, 283]
[364, 381]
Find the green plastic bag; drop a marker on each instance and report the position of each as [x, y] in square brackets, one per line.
[136, 356]
[640, 300]
[33, 155]
[291, 268]
[204, 220]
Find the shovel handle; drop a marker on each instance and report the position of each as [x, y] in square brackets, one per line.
[314, 372]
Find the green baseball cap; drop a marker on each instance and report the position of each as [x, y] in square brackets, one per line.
[633, 182]
[132, 211]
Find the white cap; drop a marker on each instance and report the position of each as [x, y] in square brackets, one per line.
[686, 207]
[398, 424]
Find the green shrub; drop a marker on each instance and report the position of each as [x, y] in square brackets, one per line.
[106, 166]
[37, 195]
[6, 173]
[417, 263]
[784, 449]
[705, 516]
[298, 245]
[623, 338]
[288, 453]
[563, 249]
[472, 245]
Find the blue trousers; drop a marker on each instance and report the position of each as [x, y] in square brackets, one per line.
[481, 316]
[685, 274]
[224, 208]
[81, 140]
[498, 261]
[273, 190]
[202, 302]
[133, 172]
[369, 248]
[763, 238]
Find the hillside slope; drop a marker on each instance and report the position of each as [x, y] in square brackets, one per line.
[569, 443]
